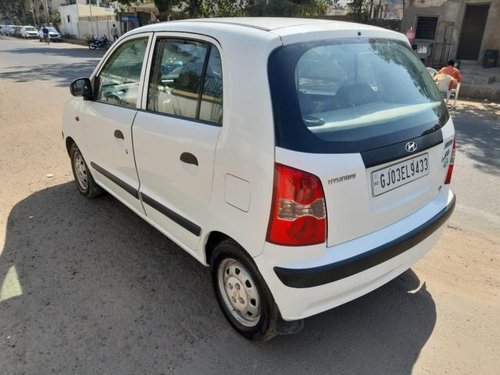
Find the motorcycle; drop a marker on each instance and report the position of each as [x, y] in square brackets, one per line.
[101, 42]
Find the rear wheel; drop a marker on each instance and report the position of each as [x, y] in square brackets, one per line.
[242, 293]
[83, 178]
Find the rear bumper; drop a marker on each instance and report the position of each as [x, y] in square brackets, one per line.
[309, 280]
[310, 277]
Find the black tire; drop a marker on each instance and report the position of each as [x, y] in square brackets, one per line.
[92, 46]
[264, 327]
[83, 178]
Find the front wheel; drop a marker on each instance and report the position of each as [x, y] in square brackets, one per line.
[92, 46]
[242, 293]
[83, 178]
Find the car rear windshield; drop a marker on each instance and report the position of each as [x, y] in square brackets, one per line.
[351, 95]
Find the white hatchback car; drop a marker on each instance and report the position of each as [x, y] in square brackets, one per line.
[29, 32]
[307, 162]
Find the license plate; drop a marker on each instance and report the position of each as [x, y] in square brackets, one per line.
[399, 174]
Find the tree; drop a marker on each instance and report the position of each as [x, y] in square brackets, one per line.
[233, 8]
[165, 8]
[16, 11]
[224, 8]
[359, 10]
[289, 8]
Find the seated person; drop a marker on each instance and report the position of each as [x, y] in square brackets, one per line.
[452, 72]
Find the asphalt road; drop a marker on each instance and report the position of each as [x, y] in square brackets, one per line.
[86, 287]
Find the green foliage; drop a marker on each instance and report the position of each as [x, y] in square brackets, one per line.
[28, 12]
[55, 18]
[166, 5]
[15, 11]
[24, 11]
[288, 8]
[223, 8]
[237, 8]
[359, 10]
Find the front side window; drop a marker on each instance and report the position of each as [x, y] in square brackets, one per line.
[118, 81]
[186, 80]
[351, 95]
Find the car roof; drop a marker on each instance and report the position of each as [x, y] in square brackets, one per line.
[258, 27]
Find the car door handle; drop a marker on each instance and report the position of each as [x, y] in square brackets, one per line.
[119, 134]
[189, 158]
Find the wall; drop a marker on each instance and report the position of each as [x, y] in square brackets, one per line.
[70, 27]
[97, 29]
[81, 24]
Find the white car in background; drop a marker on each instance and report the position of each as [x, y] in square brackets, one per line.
[306, 162]
[54, 35]
[29, 32]
[7, 30]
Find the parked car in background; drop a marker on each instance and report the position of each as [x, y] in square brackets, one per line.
[7, 30]
[29, 32]
[54, 35]
[307, 162]
[16, 31]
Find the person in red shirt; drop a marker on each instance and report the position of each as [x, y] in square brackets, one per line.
[451, 71]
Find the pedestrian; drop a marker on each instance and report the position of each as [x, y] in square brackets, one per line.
[114, 33]
[452, 72]
[45, 32]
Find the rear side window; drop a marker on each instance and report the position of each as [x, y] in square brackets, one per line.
[186, 80]
[351, 95]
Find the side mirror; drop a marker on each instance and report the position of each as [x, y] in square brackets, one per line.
[82, 87]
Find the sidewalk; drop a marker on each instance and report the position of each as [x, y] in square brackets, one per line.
[479, 83]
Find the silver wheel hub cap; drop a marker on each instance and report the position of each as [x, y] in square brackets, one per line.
[239, 292]
[81, 171]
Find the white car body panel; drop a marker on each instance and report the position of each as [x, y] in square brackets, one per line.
[159, 141]
[298, 303]
[109, 152]
[352, 210]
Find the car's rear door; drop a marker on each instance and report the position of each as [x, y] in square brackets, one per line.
[176, 133]
[368, 120]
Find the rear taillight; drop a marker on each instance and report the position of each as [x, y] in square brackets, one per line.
[298, 212]
[452, 162]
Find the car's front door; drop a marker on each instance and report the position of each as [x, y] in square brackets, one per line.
[175, 136]
[108, 120]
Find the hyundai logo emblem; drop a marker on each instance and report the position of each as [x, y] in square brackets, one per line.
[411, 146]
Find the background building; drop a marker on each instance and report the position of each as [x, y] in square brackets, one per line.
[458, 29]
[82, 20]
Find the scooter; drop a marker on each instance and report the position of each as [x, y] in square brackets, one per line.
[102, 42]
